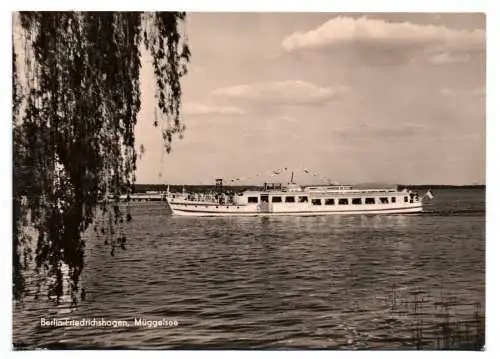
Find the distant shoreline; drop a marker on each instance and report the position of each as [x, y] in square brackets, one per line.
[442, 186]
[191, 187]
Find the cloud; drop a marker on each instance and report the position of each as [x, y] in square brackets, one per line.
[448, 58]
[290, 119]
[198, 109]
[342, 30]
[447, 92]
[282, 92]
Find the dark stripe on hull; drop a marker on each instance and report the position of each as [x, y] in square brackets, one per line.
[361, 211]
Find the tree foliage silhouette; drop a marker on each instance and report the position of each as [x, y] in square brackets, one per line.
[76, 97]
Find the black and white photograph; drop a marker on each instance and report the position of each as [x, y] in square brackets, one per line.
[255, 180]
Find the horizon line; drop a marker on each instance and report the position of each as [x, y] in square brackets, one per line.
[312, 184]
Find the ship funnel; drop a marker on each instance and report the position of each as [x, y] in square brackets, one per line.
[218, 185]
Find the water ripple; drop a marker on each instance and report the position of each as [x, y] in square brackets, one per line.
[343, 282]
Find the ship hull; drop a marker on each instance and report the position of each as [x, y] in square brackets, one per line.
[212, 211]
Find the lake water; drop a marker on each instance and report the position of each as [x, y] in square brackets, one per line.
[339, 282]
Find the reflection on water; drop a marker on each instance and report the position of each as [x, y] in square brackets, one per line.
[278, 282]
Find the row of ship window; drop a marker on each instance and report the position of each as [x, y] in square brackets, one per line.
[328, 201]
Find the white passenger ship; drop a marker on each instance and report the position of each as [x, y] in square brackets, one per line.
[293, 199]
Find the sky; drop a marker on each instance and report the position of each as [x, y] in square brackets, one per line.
[356, 98]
